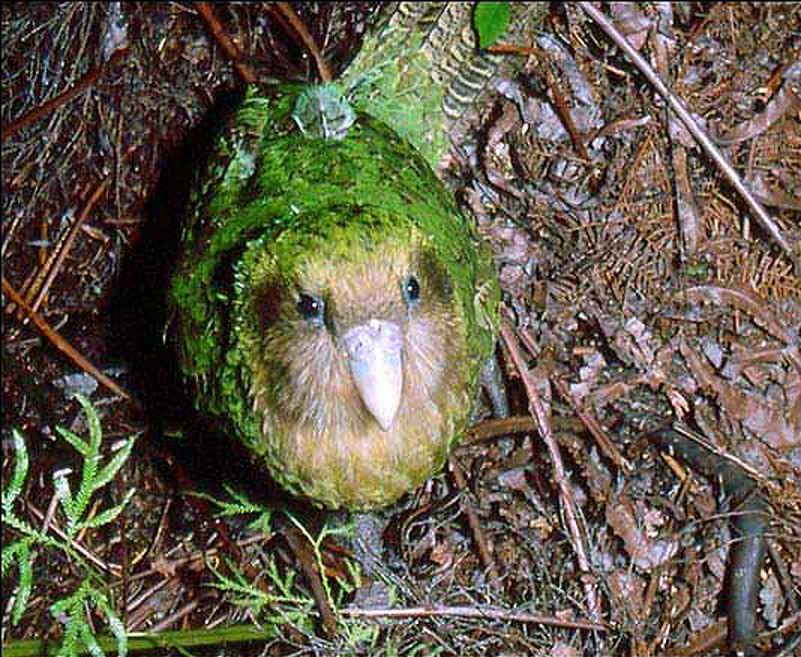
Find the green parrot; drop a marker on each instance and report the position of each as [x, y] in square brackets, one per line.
[332, 308]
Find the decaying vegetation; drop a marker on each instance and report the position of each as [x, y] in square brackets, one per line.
[650, 342]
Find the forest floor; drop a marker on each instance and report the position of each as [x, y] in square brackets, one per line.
[650, 346]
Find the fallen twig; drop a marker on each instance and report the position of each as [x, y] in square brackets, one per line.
[484, 612]
[65, 347]
[561, 479]
[229, 47]
[484, 551]
[695, 130]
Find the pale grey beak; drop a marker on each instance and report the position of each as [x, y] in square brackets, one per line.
[374, 355]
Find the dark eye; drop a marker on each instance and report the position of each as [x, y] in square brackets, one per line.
[411, 289]
[310, 307]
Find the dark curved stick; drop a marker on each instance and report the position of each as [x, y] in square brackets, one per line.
[750, 520]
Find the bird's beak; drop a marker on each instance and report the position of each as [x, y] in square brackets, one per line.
[374, 355]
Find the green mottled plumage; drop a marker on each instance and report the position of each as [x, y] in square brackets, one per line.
[348, 223]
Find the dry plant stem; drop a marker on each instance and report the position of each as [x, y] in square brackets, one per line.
[35, 279]
[173, 563]
[537, 410]
[565, 116]
[484, 550]
[558, 97]
[172, 619]
[51, 513]
[513, 49]
[701, 642]
[695, 130]
[308, 41]
[784, 575]
[488, 429]
[484, 612]
[65, 248]
[89, 516]
[125, 560]
[160, 530]
[686, 208]
[606, 445]
[300, 547]
[141, 608]
[42, 278]
[229, 48]
[65, 347]
[689, 217]
[105, 566]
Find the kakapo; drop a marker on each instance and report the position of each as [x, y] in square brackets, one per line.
[332, 308]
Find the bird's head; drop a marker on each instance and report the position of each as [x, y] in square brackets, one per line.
[357, 349]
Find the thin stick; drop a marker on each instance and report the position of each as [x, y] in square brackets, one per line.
[484, 551]
[487, 429]
[485, 612]
[62, 99]
[67, 245]
[695, 130]
[228, 46]
[62, 345]
[308, 41]
[537, 410]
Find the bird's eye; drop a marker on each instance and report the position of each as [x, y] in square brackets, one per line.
[411, 289]
[310, 307]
